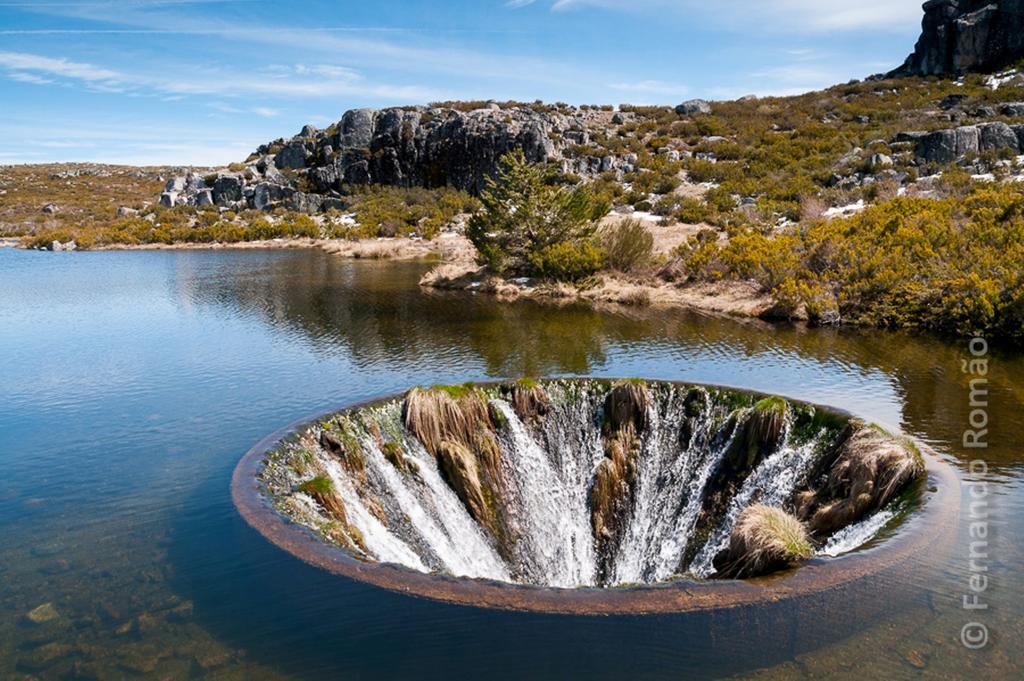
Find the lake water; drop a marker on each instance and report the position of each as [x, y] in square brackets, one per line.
[132, 382]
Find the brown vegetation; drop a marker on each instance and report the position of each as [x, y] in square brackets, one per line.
[866, 470]
[764, 539]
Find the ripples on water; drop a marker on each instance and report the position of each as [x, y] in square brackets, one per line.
[132, 382]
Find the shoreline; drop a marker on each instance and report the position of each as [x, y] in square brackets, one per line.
[448, 245]
[457, 272]
[741, 299]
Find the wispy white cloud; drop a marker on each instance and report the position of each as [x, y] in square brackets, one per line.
[651, 87]
[789, 15]
[23, 63]
[280, 81]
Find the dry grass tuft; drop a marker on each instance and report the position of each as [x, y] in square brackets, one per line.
[530, 401]
[764, 539]
[870, 469]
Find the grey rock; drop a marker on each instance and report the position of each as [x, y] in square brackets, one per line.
[862, 119]
[175, 184]
[204, 197]
[879, 161]
[51, 208]
[693, 107]
[911, 136]
[618, 119]
[194, 182]
[327, 178]
[356, 128]
[308, 131]
[266, 194]
[997, 136]
[305, 203]
[1012, 109]
[1019, 129]
[961, 36]
[950, 101]
[126, 212]
[227, 189]
[985, 112]
[168, 199]
[293, 155]
[852, 156]
[946, 146]
[576, 136]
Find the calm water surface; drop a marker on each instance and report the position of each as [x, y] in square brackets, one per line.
[131, 383]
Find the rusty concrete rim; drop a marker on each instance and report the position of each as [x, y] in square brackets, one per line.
[929, 528]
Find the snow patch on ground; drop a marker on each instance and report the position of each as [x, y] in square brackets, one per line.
[844, 211]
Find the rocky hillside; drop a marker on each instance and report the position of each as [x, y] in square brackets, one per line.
[962, 36]
[453, 145]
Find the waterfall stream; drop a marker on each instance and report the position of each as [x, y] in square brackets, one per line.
[547, 470]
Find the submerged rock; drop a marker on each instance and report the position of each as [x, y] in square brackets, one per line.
[42, 614]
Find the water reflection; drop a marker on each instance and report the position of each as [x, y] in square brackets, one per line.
[132, 382]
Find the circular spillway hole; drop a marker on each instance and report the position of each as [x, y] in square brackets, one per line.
[570, 485]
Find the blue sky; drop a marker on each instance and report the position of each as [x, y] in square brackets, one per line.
[206, 81]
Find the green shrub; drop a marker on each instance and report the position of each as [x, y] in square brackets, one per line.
[628, 245]
[528, 225]
[567, 261]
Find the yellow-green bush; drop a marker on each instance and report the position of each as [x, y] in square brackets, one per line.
[567, 261]
[953, 266]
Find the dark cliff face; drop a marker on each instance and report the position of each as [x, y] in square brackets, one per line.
[416, 147]
[962, 36]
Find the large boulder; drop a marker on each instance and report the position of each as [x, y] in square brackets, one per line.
[266, 194]
[293, 155]
[1019, 130]
[227, 190]
[1012, 109]
[961, 36]
[175, 184]
[356, 128]
[693, 106]
[997, 136]
[946, 146]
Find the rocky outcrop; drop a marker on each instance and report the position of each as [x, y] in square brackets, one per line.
[961, 36]
[407, 147]
[947, 146]
[693, 106]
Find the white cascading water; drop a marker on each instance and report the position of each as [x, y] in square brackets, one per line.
[772, 483]
[548, 471]
[852, 536]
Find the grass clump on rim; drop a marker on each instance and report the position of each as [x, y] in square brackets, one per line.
[765, 539]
